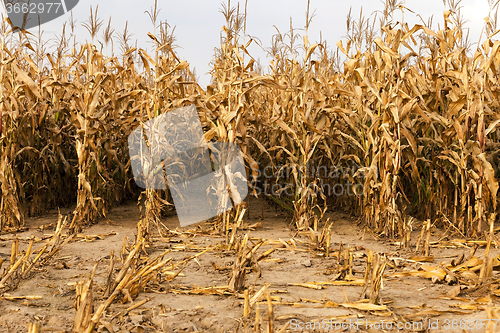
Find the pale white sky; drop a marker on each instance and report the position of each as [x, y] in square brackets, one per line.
[198, 22]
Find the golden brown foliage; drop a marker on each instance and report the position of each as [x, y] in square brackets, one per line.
[411, 119]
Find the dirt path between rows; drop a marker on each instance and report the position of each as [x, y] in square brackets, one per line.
[188, 304]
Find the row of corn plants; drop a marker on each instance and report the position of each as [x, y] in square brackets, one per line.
[396, 122]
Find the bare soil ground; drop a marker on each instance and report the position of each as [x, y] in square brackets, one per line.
[181, 305]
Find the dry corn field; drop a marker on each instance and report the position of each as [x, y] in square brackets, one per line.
[373, 182]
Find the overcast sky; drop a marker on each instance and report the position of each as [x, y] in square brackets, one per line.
[198, 23]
